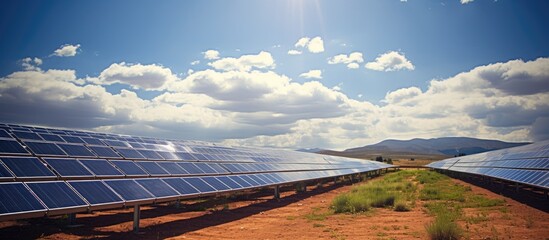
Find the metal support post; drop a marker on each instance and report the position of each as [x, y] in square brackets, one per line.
[277, 192]
[136, 216]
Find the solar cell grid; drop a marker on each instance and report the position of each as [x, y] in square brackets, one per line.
[27, 167]
[16, 198]
[8, 146]
[56, 194]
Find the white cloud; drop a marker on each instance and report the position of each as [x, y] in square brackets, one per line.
[390, 61]
[147, 77]
[466, 1]
[302, 42]
[314, 45]
[401, 94]
[67, 50]
[245, 62]
[31, 64]
[195, 62]
[352, 60]
[294, 52]
[266, 108]
[211, 54]
[353, 65]
[312, 74]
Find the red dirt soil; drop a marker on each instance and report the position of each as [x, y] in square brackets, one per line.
[294, 216]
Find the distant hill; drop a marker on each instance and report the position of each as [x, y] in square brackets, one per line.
[445, 146]
[434, 149]
[311, 150]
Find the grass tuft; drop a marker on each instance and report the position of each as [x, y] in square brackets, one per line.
[444, 228]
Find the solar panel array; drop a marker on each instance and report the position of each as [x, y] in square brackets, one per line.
[528, 164]
[46, 171]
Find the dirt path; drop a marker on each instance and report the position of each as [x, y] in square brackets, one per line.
[295, 216]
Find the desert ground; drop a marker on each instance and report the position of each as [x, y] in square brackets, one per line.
[304, 215]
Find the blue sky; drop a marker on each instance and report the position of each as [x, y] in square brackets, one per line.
[127, 67]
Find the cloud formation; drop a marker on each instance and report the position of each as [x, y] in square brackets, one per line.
[245, 62]
[67, 50]
[31, 64]
[466, 1]
[312, 74]
[242, 100]
[146, 77]
[352, 60]
[211, 55]
[314, 45]
[390, 61]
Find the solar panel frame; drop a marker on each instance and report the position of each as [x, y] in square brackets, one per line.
[69, 168]
[98, 194]
[27, 168]
[130, 191]
[18, 201]
[45, 149]
[58, 197]
[101, 168]
[76, 150]
[129, 168]
[12, 147]
[159, 189]
[182, 187]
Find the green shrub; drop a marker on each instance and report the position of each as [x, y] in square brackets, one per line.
[401, 207]
[443, 228]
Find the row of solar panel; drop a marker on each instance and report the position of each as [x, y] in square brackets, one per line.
[541, 163]
[529, 177]
[99, 139]
[127, 142]
[33, 199]
[32, 168]
[154, 149]
[12, 147]
[528, 164]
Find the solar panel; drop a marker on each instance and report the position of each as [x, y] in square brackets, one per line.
[17, 199]
[214, 182]
[11, 147]
[157, 187]
[4, 173]
[191, 168]
[101, 168]
[141, 170]
[72, 139]
[199, 184]
[4, 134]
[26, 135]
[172, 168]
[129, 153]
[56, 194]
[152, 168]
[51, 137]
[181, 186]
[68, 168]
[129, 168]
[229, 182]
[95, 192]
[74, 150]
[104, 152]
[45, 149]
[92, 141]
[528, 164]
[129, 190]
[27, 167]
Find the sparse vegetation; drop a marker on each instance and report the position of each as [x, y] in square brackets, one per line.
[377, 194]
[444, 228]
